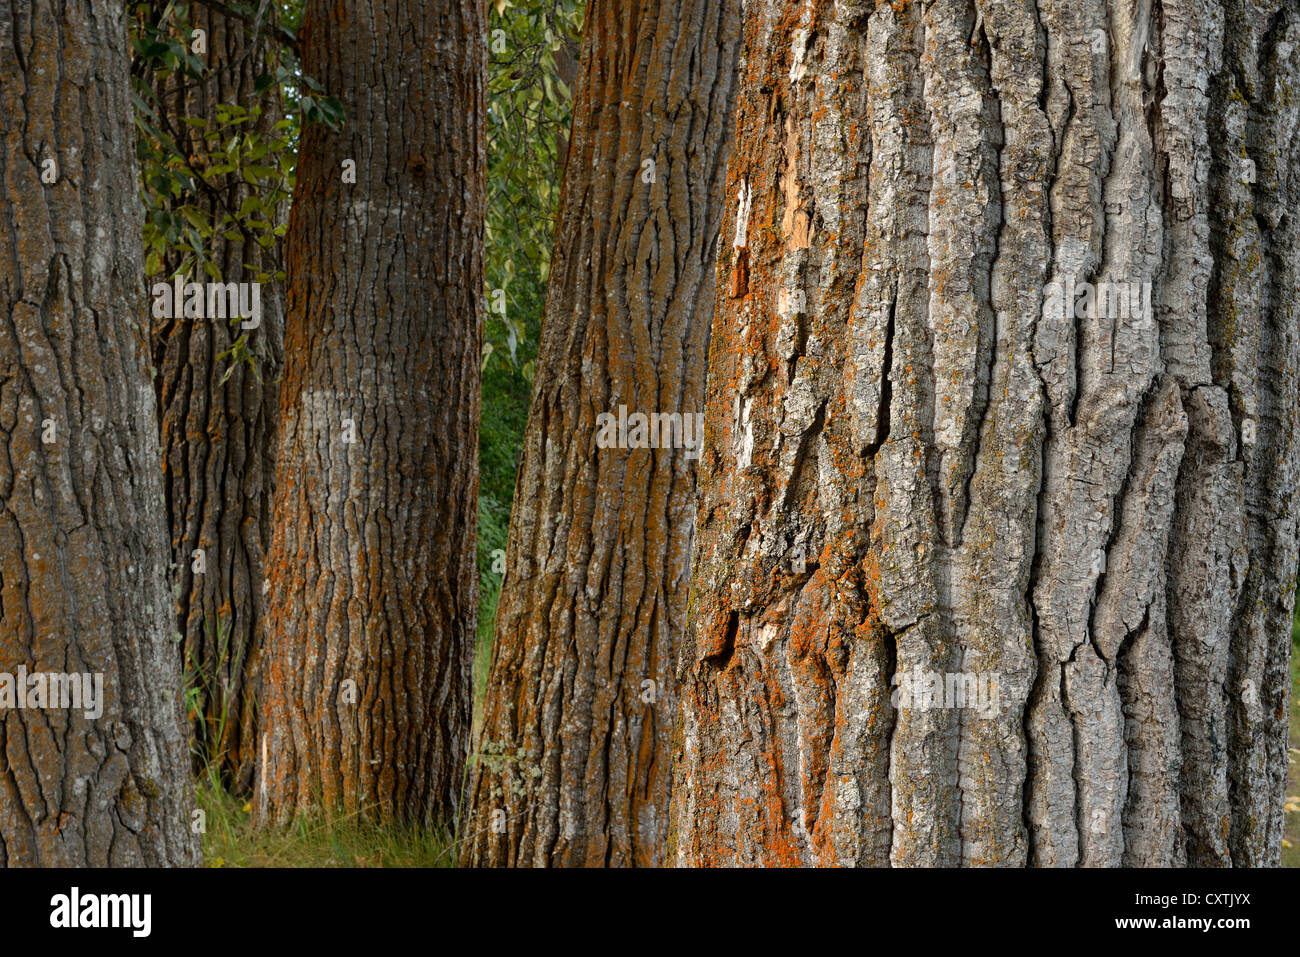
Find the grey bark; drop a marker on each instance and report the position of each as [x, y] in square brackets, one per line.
[1093, 510]
[83, 554]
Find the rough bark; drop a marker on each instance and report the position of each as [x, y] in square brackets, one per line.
[372, 568]
[218, 422]
[83, 555]
[571, 766]
[1094, 511]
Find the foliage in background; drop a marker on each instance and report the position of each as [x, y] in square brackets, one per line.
[533, 52]
[173, 180]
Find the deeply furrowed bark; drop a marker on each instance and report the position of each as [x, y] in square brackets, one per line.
[372, 568]
[218, 423]
[572, 762]
[928, 462]
[83, 556]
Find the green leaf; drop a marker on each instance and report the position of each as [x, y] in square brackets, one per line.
[197, 218]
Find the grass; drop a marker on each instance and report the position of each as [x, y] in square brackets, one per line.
[314, 841]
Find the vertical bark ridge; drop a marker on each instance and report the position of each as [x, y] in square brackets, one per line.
[1049, 494]
[218, 433]
[83, 570]
[372, 575]
[992, 569]
[572, 767]
[1258, 354]
[1072, 529]
[1130, 627]
[904, 535]
[1192, 41]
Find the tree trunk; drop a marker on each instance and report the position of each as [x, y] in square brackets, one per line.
[218, 433]
[942, 466]
[372, 569]
[83, 554]
[571, 764]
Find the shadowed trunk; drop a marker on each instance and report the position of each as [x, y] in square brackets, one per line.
[571, 764]
[997, 537]
[100, 779]
[217, 432]
[373, 597]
